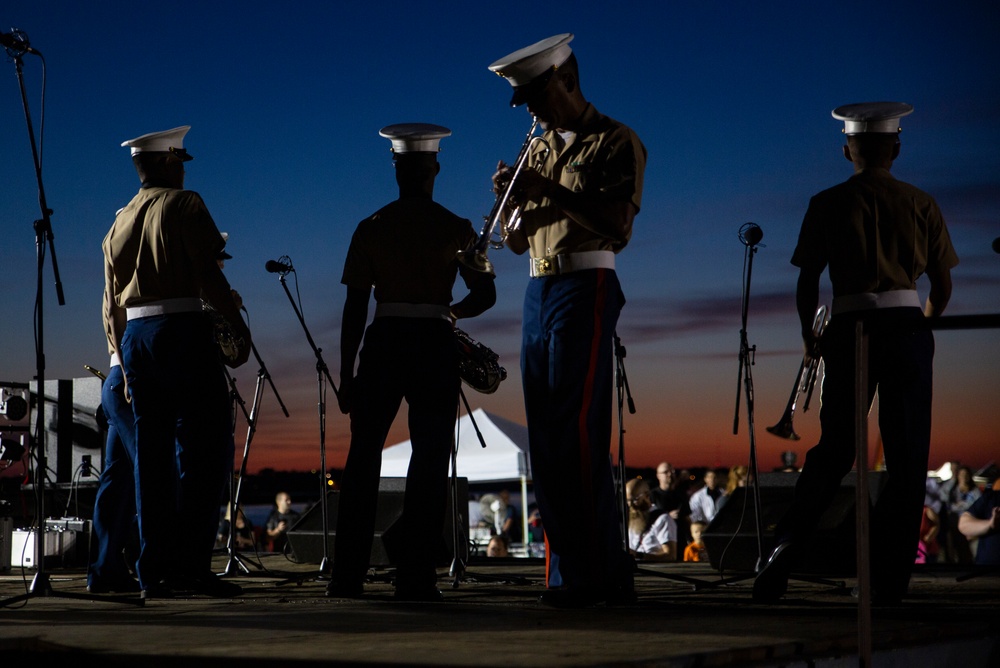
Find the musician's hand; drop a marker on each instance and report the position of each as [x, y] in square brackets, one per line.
[532, 186]
[501, 177]
[812, 345]
[344, 394]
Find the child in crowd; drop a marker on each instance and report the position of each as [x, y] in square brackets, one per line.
[695, 550]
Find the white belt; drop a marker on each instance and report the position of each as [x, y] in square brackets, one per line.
[115, 361]
[164, 307]
[404, 310]
[866, 301]
[564, 263]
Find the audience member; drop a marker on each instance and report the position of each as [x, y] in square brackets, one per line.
[536, 533]
[738, 476]
[704, 502]
[959, 497]
[981, 523]
[281, 519]
[930, 525]
[511, 525]
[648, 539]
[499, 546]
[695, 550]
[669, 497]
[244, 536]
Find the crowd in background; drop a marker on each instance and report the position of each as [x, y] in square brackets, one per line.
[668, 517]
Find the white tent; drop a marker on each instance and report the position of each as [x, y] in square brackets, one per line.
[504, 457]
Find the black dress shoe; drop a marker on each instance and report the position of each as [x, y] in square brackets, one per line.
[772, 581]
[157, 591]
[340, 590]
[572, 598]
[429, 594]
[123, 586]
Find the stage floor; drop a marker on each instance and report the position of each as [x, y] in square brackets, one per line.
[683, 617]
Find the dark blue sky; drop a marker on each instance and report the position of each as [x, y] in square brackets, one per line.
[285, 100]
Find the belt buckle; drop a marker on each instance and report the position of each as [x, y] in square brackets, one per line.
[544, 266]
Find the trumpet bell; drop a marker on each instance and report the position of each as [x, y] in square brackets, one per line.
[784, 429]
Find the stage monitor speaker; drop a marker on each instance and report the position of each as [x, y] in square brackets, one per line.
[731, 538]
[305, 537]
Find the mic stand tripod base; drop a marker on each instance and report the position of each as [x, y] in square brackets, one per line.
[695, 583]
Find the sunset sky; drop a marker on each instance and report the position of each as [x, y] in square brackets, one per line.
[731, 99]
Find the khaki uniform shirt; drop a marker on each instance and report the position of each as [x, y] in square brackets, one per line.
[876, 234]
[156, 249]
[604, 157]
[407, 250]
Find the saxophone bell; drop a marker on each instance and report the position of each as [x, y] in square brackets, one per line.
[478, 366]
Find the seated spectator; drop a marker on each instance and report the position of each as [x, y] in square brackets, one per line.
[981, 523]
[930, 525]
[244, 536]
[498, 546]
[648, 540]
[737, 478]
[511, 524]
[704, 502]
[959, 496]
[536, 533]
[281, 519]
[695, 550]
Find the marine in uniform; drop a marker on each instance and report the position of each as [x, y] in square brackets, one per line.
[876, 236]
[407, 251]
[577, 198]
[114, 518]
[160, 259]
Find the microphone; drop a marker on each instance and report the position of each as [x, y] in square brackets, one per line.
[276, 267]
[996, 245]
[16, 41]
[751, 234]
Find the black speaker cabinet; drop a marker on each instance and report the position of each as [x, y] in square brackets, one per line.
[305, 537]
[731, 538]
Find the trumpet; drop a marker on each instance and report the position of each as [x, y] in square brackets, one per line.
[476, 257]
[805, 381]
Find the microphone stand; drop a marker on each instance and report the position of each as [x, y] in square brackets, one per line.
[252, 418]
[457, 571]
[322, 376]
[750, 235]
[41, 584]
[623, 392]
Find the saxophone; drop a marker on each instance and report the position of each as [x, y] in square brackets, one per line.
[226, 338]
[478, 366]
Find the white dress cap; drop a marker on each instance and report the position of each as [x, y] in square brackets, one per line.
[163, 141]
[524, 65]
[872, 117]
[415, 137]
[223, 255]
